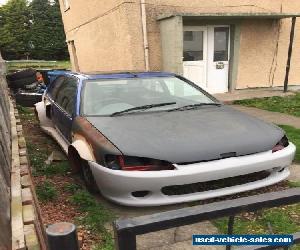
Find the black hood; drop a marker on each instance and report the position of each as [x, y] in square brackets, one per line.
[202, 134]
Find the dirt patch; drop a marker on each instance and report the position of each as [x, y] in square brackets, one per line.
[60, 208]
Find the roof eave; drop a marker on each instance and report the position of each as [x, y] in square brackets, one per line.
[268, 15]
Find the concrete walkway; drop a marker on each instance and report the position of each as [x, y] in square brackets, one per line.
[179, 238]
[268, 116]
[254, 93]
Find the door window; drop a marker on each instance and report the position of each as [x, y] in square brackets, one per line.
[66, 97]
[221, 37]
[192, 45]
[54, 87]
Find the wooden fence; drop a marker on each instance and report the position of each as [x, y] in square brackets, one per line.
[5, 161]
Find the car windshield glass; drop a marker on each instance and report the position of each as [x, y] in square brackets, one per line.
[105, 97]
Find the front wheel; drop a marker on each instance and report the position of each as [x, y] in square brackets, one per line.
[89, 178]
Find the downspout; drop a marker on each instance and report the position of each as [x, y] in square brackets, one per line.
[145, 37]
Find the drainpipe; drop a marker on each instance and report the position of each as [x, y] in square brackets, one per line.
[145, 38]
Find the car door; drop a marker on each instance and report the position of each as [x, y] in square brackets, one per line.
[64, 106]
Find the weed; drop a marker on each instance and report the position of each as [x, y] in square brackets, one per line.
[24, 110]
[60, 168]
[72, 187]
[95, 217]
[37, 158]
[46, 191]
[83, 200]
[107, 242]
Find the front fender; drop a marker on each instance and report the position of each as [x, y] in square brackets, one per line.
[90, 143]
[84, 150]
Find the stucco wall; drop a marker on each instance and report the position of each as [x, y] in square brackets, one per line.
[108, 36]
[261, 61]
[172, 45]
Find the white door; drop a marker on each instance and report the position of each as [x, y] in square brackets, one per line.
[206, 57]
[195, 54]
[218, 59]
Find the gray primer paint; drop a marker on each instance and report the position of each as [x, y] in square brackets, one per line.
[188, 136]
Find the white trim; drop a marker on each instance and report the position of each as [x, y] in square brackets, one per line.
[66, 5]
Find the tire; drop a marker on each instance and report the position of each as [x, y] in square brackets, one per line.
[15, 84]
[28, 99]
[88, 178]
[21, 74]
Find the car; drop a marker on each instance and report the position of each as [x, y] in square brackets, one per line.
[156, 138]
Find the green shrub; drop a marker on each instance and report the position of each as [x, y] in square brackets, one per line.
[46, 191]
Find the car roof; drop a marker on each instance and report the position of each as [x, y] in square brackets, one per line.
[113, 74]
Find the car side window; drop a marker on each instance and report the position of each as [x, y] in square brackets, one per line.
[66, 96]
[54, 87]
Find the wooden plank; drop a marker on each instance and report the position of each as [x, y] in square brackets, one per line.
[31, 238]
[5, 162]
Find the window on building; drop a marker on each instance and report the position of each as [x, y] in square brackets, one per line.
[221, 37]
[193, 45]
[66, 4]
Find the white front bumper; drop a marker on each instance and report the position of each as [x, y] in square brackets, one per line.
[117, 185]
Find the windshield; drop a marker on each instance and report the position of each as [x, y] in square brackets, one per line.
[105, 97]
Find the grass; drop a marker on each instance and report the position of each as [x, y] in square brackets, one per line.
[95, 217]
[71, 187]
[294, 184]
[46, 191]
[288, 104]
[280, 220]
[36, 64]
[38, 155]
[294, 136]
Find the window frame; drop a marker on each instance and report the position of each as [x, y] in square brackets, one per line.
[66, 5]
[66, 78]
[84, 83]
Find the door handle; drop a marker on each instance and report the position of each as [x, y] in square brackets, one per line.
[220, 65]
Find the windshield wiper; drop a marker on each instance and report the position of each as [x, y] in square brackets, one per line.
[193, 106]
[144, 107]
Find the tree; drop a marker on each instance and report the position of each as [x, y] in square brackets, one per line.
[47, 36]
[14, 27]
[32, 30]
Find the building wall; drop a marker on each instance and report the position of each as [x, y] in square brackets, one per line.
[263, 45]
[108, 36]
